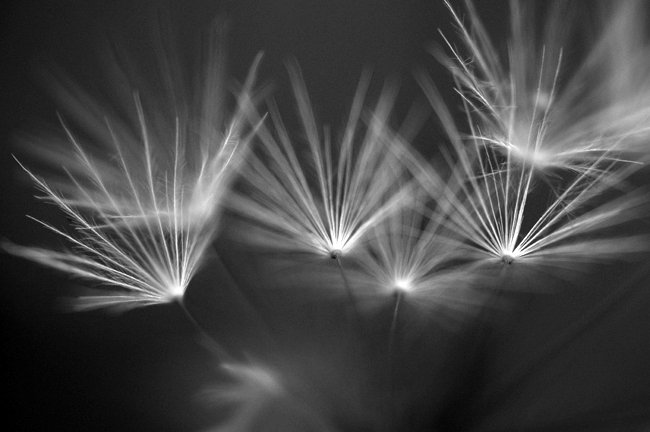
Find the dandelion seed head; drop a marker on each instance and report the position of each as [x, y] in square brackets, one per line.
[142, 189]
[531, 115]
[534, 100]
[326, 199]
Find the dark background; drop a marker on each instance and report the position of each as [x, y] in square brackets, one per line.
[143, 370]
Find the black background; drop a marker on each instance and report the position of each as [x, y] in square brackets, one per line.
[143, 370]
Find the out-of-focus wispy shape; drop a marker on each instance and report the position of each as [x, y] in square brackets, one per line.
[260, 401]
[253, 389]
[143, 194]
[543, 105]
[565, 201]
[325, 199]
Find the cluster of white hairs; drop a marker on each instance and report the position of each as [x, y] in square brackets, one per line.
[530, 125]
[545, 174]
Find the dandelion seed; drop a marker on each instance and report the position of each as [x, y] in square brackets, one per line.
[505, 214]
[414, 261]
[499, 205]
[146, 208]
[351, 190]
[324, 202]
[413, 256]
[526, 107]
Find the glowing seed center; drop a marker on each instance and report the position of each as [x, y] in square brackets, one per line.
[507, 258]
[177, 291]
[336, 253]
[403, 284]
